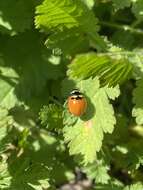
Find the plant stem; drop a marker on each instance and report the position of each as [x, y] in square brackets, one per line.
[136, 23]
[122, 27]
[55, 101]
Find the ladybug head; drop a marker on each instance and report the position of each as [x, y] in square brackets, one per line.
[75, 92]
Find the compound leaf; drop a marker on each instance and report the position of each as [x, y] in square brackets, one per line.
[86, 135]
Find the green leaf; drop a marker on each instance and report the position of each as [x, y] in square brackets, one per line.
[37, 166]
[84, 139]
[67, 13]
[137, 9]
[13, 13]
[98, 171]
[121, 130]
[22, 117]
[136, 58]
[49, 150]
[7, 96]
[137, 186]
[6, 129]
[30, 176]
[3, 134]
[14, 127]
[5, 178]
[59, 42]
[5, 119]
[112, 92]
[110, 71]
[104, 111]
[89, 3]
[57, 15]
[43, 163]
[85, 136]
[67, 86]
[121, 4]
[123, 39]
[137, 100]
[25, 68]
[51, 117]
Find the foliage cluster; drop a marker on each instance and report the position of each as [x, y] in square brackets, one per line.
[49, 47]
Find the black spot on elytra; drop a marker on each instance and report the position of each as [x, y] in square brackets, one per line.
[76, 98]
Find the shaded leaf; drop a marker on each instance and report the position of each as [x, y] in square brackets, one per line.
[51, 117]
[137, 99]
[59, 42]
[25, 69]
[137, 9]
[13, 13]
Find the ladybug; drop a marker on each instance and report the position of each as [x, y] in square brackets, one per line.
[77, 103]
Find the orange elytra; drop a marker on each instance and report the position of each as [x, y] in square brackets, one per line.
[77, 103]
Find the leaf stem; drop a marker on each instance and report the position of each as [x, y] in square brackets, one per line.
[55, 101]
[122, 27]
[136, 23]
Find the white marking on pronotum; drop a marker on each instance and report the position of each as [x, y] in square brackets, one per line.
[75, 91]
